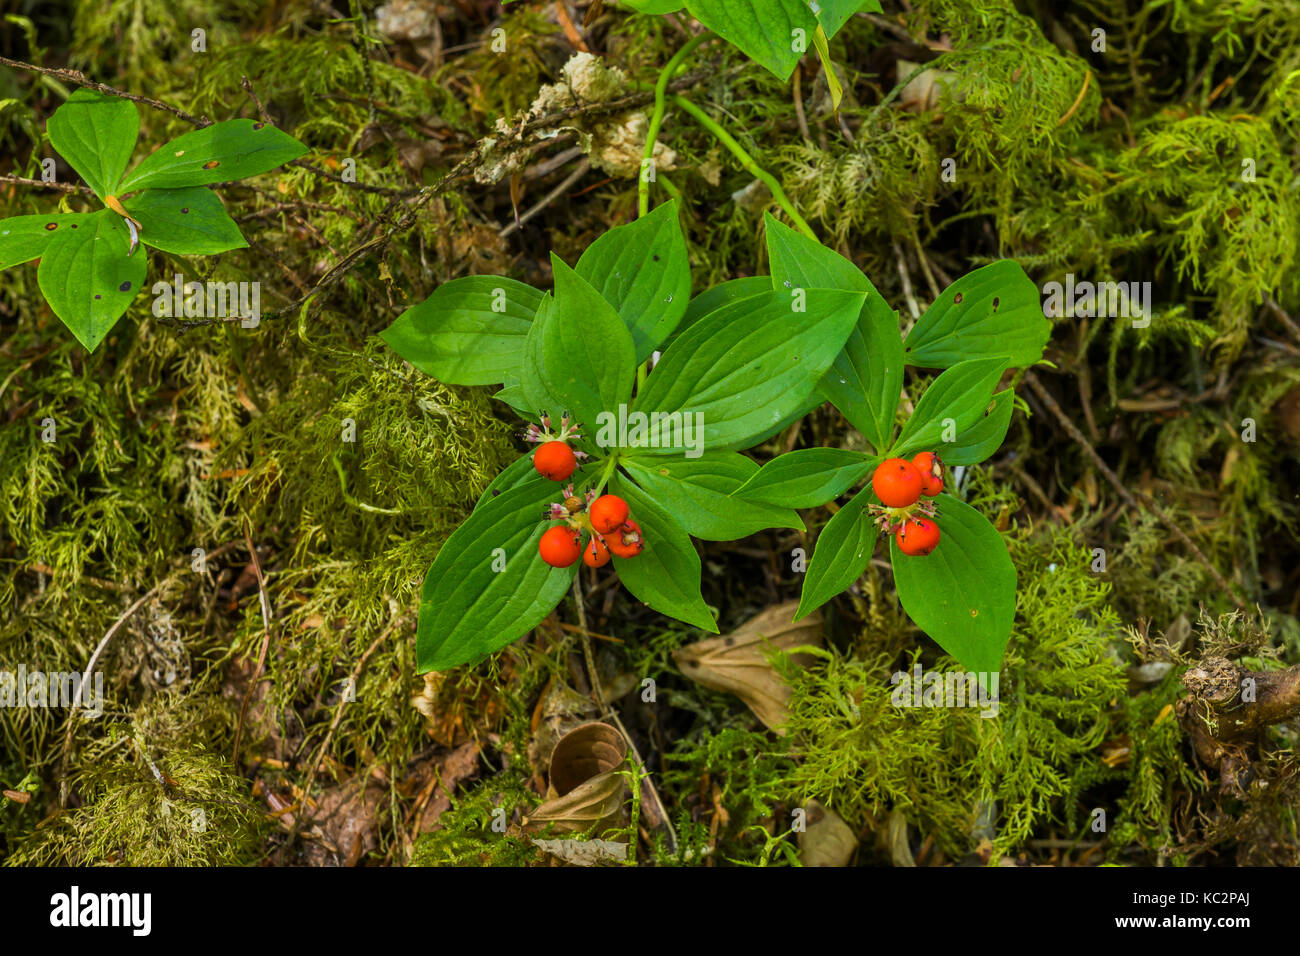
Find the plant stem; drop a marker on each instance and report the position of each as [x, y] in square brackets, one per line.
[746, 162]
[657, 119]
[608, 470]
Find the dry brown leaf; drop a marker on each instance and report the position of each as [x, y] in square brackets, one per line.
[739, 663]
[586, 788]
[585, 852]
[828, 840]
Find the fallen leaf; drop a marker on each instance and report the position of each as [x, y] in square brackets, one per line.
[828, 840]
[739, 663]
[586, 789]
[585, 852]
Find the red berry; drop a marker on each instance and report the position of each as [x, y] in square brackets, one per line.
[607, 513]
[897, 483]
[555, 461]
[626, 542]
[917, 536]
[560, 546]
[931, 469]
[595, 554]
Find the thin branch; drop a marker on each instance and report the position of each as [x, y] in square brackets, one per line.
[266, 643]
[77, 78]
[42, 184]
[1146, 503]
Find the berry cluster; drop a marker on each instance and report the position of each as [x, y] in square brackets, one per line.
[607, 518]
[609, 521]
[900, 485]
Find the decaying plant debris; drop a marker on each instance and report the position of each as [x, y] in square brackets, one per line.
[969, 131]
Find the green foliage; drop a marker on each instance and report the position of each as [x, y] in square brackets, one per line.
[132, 815]
[87, 271]
[944, 767]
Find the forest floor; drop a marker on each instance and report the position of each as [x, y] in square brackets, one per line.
[243, 517]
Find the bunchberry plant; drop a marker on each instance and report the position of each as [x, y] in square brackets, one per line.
[951, 567]
[90, 267]
[738, 365]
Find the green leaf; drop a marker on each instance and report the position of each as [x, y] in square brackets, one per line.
[469, 610]
[963, 593]
[800, 262]
[24, 238]
[654, 6]
[583, 353]
[976, 442]
[470, 331]
[866, 378]
[666, 574]
[187, 222]
[750, 364]
[957, 397]
[822, 42]
[96, 134]
[993, 311]
[642, 270]
[844, 550]
[537, 395]
[87, 277]
[764, 30]
[716, 297]
[807, 478]
[222, 152]
[698, 492]
[517, 473]
[833, 14]
[514, 395]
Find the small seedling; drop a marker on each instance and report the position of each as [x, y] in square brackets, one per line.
[90, 267]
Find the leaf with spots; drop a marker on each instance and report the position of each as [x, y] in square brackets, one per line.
[963, 593]
[991, 312]
[218, 153]
[187, 222]
[87, 277]
[954, 402]
[24, 238]
[96, 134]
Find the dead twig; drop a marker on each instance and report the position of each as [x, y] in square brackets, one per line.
[77, 78]
[554, 194]
[647, 786]
[334, 726]
[266, 643]
[1045, 397]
